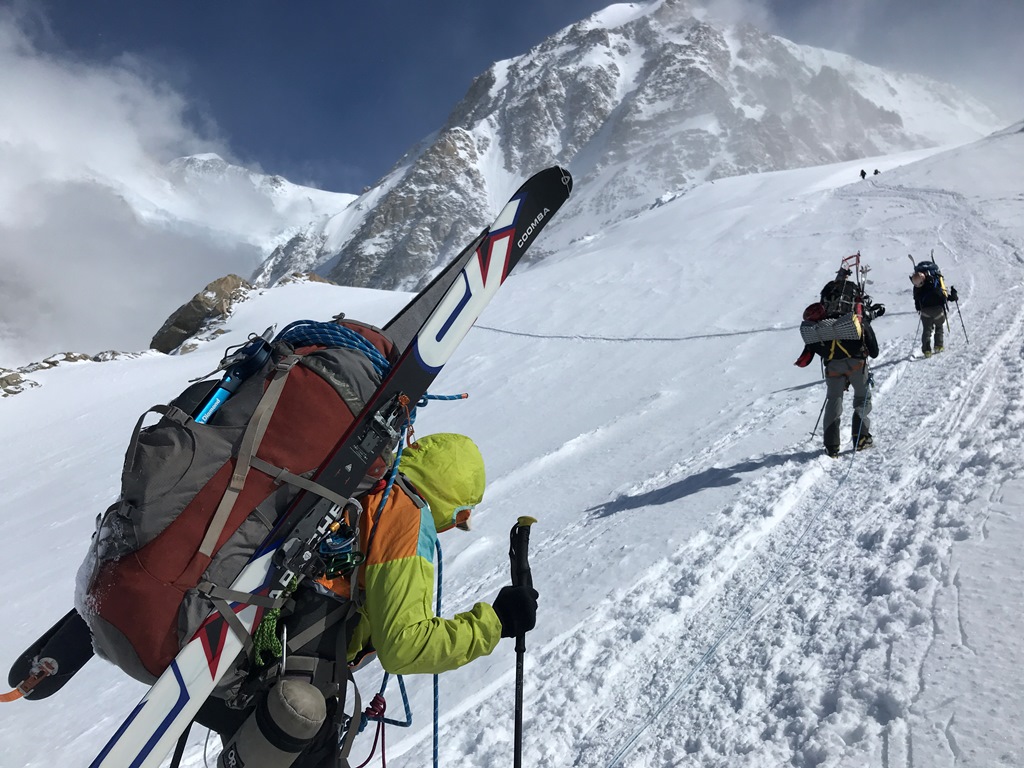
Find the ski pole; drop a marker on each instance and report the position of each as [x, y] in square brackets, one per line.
[819, 415]
[518, 554]
[962, 321]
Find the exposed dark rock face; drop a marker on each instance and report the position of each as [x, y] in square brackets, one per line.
[638, 102]
[209, 305]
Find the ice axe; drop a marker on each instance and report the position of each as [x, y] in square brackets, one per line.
[518, 555]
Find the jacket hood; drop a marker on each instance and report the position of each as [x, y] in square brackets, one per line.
[448, 471]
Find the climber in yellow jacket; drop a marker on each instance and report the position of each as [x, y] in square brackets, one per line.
[441, 480]
[396, 618]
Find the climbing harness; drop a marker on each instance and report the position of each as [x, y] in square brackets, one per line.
[378, 706]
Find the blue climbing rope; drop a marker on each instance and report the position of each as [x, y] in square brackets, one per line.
[308, 332]
[437, 694]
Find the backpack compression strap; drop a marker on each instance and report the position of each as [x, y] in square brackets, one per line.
[251, 440]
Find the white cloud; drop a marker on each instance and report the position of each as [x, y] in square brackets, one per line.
[83, 148]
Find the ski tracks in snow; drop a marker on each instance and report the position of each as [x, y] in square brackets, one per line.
[807, 609]
[763, 614]
[767, 618]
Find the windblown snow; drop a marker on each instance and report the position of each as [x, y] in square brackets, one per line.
[714, 591]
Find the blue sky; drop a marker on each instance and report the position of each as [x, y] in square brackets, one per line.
[332, 93]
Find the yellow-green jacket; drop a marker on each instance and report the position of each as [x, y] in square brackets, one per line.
[397, 616]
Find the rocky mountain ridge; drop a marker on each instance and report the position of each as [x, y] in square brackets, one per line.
[638, 101]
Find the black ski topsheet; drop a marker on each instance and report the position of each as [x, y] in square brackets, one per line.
[403, 326]
[68, 643]
[541, 195]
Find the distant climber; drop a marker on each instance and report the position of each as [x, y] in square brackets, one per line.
[844, 350]
[930, 301]
[863, 174]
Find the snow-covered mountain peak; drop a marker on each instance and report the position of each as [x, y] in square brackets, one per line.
[639, 101]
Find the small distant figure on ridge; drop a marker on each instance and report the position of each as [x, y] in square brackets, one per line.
[876, 172]
[863, 173]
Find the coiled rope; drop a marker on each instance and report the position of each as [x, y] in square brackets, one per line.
[308, 332]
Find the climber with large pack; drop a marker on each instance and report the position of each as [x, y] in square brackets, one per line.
[930, 300]
[838, 329]
[202, 487]
[845, 307]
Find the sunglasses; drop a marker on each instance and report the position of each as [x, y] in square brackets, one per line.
[460, 517]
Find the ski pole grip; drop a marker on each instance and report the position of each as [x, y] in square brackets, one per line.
[519, 551]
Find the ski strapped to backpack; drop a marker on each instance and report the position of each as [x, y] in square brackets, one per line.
[254, 483]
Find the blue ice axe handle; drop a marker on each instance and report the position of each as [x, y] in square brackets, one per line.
[239, 367]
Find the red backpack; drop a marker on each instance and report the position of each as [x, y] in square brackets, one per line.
[197, 499]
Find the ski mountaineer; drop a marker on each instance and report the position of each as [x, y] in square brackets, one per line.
[846, 365]
[200, 579]
[930, 301]
[299, 722]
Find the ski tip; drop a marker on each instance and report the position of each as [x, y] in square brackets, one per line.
[548, 175]
[566, 178]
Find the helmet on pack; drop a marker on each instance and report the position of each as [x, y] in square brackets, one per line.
[814, 312]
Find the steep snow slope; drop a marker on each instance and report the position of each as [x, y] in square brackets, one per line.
[713, 591]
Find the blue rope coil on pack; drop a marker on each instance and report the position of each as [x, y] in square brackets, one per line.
[306, 332]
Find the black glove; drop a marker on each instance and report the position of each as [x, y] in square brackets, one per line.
[517, 610]
[877, 310]
[952, 295]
